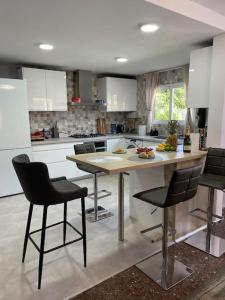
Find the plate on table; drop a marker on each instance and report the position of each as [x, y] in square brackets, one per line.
[103, 159]
[116, 152]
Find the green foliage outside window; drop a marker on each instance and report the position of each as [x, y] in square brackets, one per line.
[170, 104]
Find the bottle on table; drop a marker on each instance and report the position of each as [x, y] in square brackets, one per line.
[187, 141]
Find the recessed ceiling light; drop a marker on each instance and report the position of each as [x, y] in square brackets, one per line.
[191, 70]
[149, 28]
[121, 59]
[46, 46]
[7, 87]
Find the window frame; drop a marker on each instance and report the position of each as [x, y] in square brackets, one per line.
[169, 86]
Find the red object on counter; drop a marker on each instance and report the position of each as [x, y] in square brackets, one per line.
[75, 100]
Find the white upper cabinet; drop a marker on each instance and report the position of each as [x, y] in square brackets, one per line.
[120, 94]
[199, 78]
[46, 89]
[56, 92]
[36, 89]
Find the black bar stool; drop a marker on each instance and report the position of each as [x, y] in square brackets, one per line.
[39, 189]
[98, 212]
[162, 268]
[213, 177]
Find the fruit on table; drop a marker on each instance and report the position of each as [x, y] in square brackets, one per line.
[172, 138]
[147, 155]
[169, 147]
[160, 147]
[120, 150]
[165, 147]
[143, 150]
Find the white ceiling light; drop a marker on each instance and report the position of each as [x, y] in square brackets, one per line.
[191, 70]
[121, 59]
[7, 87]
[47, 47]
[149, 28]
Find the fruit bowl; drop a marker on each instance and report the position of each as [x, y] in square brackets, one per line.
[143, 150]
[147, 155]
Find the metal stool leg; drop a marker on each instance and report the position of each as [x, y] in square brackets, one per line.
[205, 240]
[97, 212]
[44, 220]
[64, 222]
[162, 268]
[84, 231]
[95, 197]
[27, 231]
[165, 248]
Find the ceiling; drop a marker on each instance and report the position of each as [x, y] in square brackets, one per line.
[216, 5]
[88, 34]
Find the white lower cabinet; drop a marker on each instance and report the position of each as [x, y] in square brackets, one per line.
[113, 144]
[55, 158]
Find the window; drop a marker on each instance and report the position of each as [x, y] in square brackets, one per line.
[169, 104]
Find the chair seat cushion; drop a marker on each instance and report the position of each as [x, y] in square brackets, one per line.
[88, 169]
[155, 196]
[213, 181]
[67, 190]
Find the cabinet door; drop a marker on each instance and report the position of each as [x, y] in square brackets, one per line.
[56, 90]
[121, 94]
[130, 90]
[199, 78]
[36, 89]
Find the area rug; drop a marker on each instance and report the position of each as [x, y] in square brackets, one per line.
[207, 281]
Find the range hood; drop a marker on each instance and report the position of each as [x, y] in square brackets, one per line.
[83, 88]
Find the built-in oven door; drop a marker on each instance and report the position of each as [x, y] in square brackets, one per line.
[100, 146]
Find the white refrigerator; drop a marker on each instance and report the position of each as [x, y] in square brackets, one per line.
[14, 132]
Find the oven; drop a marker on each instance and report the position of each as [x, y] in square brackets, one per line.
[100, 146]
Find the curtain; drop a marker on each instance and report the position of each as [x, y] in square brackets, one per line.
[152, 82]
[188, 120]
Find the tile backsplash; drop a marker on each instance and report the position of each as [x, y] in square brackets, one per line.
[79, 119]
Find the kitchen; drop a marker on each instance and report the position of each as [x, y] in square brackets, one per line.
[120, 101]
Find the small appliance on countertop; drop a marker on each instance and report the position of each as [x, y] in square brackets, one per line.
[37, 135]
[113, 128]
[55, 131]
[119, 128]
[142, 130]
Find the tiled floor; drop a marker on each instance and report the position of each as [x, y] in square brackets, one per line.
[63, 273]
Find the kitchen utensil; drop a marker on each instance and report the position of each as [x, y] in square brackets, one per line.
[101, 126]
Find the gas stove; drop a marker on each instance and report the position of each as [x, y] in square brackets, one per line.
[83, 136]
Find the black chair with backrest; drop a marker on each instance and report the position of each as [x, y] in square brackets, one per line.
[213, 177]
[162, 268]
[39, 189]
[98, 212]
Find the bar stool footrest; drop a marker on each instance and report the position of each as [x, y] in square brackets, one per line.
[196, 210]
[104, 192]
[57, 247]
[198, 240]
[175, 273]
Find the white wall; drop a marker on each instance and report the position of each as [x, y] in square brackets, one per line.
[216, 119]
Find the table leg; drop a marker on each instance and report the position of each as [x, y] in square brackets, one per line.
[121, 208]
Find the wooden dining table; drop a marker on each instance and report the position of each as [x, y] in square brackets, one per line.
[121, 164]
